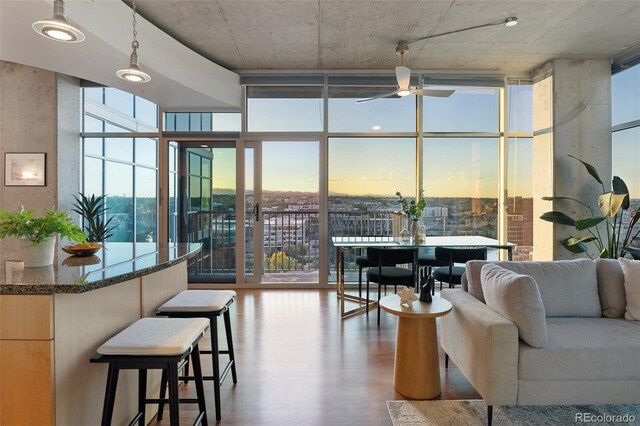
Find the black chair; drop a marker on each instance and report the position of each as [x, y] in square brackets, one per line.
[385, 272]
[362, 262]
[452, 274]
[633, 251]
[428, 261]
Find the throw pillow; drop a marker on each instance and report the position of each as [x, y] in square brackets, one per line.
[517, 298]
[631, 270]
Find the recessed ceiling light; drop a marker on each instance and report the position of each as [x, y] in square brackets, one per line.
[58, 28]
[511, 21]
[376, 127]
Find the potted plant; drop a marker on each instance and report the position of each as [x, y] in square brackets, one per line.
[37, 235]
[611, 242]
[92, 210]
[412, 209]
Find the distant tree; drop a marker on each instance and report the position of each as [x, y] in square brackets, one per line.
[279, 261]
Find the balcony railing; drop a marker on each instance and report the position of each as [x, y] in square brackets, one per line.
[291, 239]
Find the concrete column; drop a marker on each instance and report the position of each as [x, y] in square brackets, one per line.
[69, 154]
[572, 115]
[39, 113]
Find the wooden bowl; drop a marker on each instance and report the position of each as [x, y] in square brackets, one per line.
[87, 249]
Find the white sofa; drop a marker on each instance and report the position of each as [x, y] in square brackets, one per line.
[592, 354]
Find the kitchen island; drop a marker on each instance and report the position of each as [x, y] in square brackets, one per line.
[52, 320]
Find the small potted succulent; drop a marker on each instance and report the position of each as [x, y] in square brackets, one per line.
[37, 235]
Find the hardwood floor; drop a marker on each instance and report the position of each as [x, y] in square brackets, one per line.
[299, 363]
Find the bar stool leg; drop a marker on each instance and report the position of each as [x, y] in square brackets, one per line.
[163, 393]
[142, 394]
[186, 370]
[110, 395]
[172, 374]
[216, 365]
[232, 356]
[197, 373]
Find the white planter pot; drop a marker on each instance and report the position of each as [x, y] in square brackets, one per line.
[38, 255]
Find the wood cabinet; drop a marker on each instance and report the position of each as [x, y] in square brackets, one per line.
[46, 342]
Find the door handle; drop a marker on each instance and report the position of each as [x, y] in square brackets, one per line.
[256, 212]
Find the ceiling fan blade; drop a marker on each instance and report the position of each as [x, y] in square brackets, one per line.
[403, 75]
[384, 95]
[433, 93]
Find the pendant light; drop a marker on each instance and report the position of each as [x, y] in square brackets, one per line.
[133, 73]
[57, 27]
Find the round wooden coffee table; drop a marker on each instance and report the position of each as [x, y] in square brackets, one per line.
[416, 368]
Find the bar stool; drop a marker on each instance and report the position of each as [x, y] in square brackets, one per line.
[154, 343]
[208, 304]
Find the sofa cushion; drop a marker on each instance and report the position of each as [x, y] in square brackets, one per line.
[584, 349]
[517, 298]
[568, 288]
[611, 288]
[631, 270]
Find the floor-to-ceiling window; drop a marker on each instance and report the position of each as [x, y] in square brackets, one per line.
[625, 137]
[520, 171]
[460, 161]
[120, 163]
[326, 160]
[371, 156]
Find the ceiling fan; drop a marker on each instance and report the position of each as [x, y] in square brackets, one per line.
[403, 76]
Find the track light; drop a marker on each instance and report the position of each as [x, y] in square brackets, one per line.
[57, 27]
[511, 21]
[133, 73]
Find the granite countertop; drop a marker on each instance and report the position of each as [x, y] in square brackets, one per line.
[112, 264]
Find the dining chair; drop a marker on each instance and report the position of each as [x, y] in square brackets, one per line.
[362, 262]
[427, 260]
[386, 272]
[452, 274]
[633, 251]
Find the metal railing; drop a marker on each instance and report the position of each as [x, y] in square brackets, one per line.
[291, 239]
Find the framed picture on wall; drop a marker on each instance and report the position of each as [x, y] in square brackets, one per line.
[25, 169]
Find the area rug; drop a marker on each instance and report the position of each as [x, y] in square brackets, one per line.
[474, 413]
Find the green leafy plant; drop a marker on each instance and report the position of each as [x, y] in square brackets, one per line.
[92, 210]
[411, 208]
[24, 224]
[613, 204]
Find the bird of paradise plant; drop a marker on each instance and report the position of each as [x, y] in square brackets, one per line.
[613, 205]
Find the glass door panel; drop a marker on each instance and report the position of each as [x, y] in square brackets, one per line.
[208, 208]
[290, 211]
[252, 213]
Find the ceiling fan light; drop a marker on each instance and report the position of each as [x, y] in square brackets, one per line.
[404, 92]
[58, 28]
[511, 21]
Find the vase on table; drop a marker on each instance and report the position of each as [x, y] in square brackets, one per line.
[38, 255]
[415, 231]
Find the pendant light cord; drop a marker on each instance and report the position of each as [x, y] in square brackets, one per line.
[134, 43]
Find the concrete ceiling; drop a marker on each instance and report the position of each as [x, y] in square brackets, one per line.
[361, 34]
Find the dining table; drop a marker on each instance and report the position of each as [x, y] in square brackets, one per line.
[345, 243]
